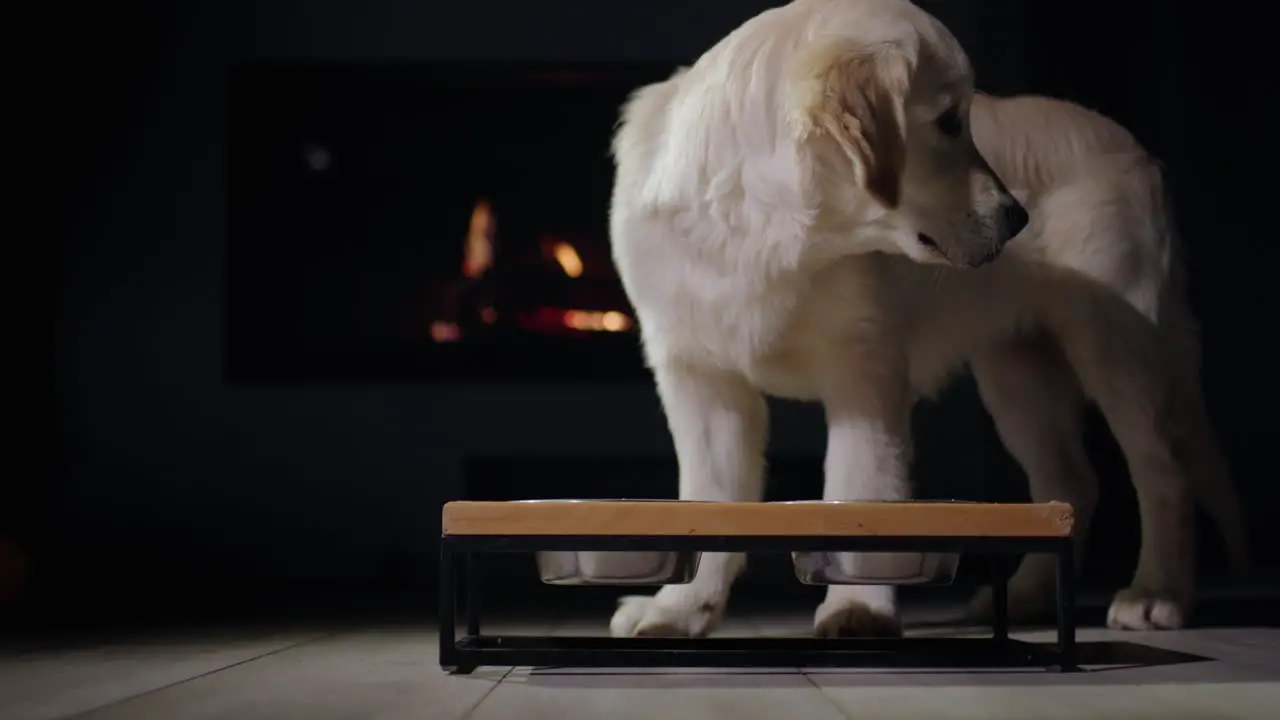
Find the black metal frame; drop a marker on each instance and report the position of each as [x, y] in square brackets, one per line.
[464, 654]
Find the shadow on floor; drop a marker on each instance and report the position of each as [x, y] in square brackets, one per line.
[1104, 663]
[1213, 612]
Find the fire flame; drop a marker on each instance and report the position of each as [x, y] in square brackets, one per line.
[477, 253]
[568, 258]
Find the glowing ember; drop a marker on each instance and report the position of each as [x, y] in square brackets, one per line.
[445, 332]
[596, 321]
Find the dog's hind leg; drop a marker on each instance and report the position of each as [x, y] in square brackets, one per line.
[1198, 447]
[719, 425]
[1124, 366]
[1214, 487]
[1036, 402]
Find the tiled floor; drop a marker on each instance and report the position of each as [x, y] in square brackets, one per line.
[386, 673]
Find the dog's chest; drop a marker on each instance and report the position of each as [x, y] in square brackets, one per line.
[782, 334]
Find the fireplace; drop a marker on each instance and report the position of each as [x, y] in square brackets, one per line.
[426, 222]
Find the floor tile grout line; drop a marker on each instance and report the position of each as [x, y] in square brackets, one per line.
[96, 645]
[840, 710]
[830, 700]
[492, 687]
[548, 629]
[198, 676]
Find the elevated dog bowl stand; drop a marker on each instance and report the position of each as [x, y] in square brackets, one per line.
[471, 528]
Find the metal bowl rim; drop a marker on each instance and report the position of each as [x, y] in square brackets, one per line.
[865, 502]
[587, 500]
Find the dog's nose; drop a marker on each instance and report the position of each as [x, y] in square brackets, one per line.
[1013, 218]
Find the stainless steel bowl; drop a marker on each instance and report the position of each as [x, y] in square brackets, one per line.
[614, 567]
[899, 568]
[587, 567]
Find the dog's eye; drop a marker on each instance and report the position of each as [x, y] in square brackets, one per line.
[950, 123]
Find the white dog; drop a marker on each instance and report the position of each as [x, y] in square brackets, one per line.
[787, 216]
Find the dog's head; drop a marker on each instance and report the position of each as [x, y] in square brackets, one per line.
[886, 115]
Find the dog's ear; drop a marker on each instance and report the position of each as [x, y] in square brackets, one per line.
[859, 99]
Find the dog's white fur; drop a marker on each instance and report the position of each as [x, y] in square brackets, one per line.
[766, 228]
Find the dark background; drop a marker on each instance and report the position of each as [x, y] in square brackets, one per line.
[173, 490]
[344, 270]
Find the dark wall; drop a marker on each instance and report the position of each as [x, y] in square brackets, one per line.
[161, 465]
[164, 468]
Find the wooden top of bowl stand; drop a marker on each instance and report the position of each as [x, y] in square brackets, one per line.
[665, 518]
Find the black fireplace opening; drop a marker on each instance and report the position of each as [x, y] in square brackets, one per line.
[426, 222]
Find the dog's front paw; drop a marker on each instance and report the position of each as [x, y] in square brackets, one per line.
[1137, 608]
[847, 617]
[676, 611]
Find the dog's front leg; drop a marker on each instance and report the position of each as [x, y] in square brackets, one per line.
[868, 457]
[718, 423]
